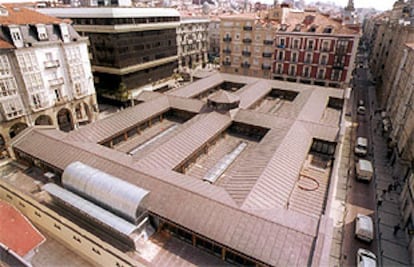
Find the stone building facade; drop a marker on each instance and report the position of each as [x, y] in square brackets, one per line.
[45, 74]
[192, 43]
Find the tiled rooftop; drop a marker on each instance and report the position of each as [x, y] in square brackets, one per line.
[21, 16]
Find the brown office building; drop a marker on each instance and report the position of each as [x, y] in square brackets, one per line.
[131, 48]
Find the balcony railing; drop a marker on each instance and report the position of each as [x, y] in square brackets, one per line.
[266, 67]
[281, 46]
[267, 54]
[226, 51]
[51, 64]
[56, 82]
[245, 65]
[246, 53]
[248, 28]
[268, 42]
[226, 63]
[227, 39]
[247, 40]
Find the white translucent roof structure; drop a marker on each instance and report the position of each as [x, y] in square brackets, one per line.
[105, 190]
[91, 210]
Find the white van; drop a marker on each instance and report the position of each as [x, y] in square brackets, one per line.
[364, 170]
[361, 146]
[364, 228]
[365, 258]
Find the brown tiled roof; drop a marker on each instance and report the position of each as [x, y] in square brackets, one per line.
[277, 237]
[5, 44]
[16, 231]
[22, 16]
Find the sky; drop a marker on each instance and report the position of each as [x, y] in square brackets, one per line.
[378, 4]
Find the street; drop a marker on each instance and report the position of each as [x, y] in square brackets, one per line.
[360, 196]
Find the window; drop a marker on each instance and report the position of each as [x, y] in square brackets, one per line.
[255, 61]
[306, 72]
[336, 74]
[41, 32]
[308, 58]
[4, 66]
[297, 28]
[325, 46]
[292, 71]
[310, 44]
[281, 43]
[296, 44]
[280, 56]
[15, 34]
[321, 74]
[324, 59]
[294, 57]
[279, 68]
[58, 95]
[8, 87]
[237, 36]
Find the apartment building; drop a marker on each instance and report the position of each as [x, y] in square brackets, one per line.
[45, 74]
[214, 38]
[391, 46]
[131, 48]
[290, 45]
[246, 45]
[192, 43]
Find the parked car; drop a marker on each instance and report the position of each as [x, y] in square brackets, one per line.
[364, 170]
[361, 146]
[364, 228]
[366, 258]
[361, 110]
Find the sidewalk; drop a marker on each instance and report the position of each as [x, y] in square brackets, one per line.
[392, 247]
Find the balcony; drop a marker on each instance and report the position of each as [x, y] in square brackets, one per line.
[268, 42]
[226, 51]
[227, 39]
[51, 64]
[247, 40]
[266, 67]
[56, 82]
[248, 28]
[267, 54]
[226, 63]
[246, 53]
[281, 46]
[245, 65]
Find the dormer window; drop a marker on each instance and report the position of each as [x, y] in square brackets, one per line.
[328, 29]
[283, 27]
[41, 32]
[297, 28]
[3, 11]
[65, 32]
[16, 36]
[312, 28]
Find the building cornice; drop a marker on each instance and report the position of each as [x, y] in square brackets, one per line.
[126, 27]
